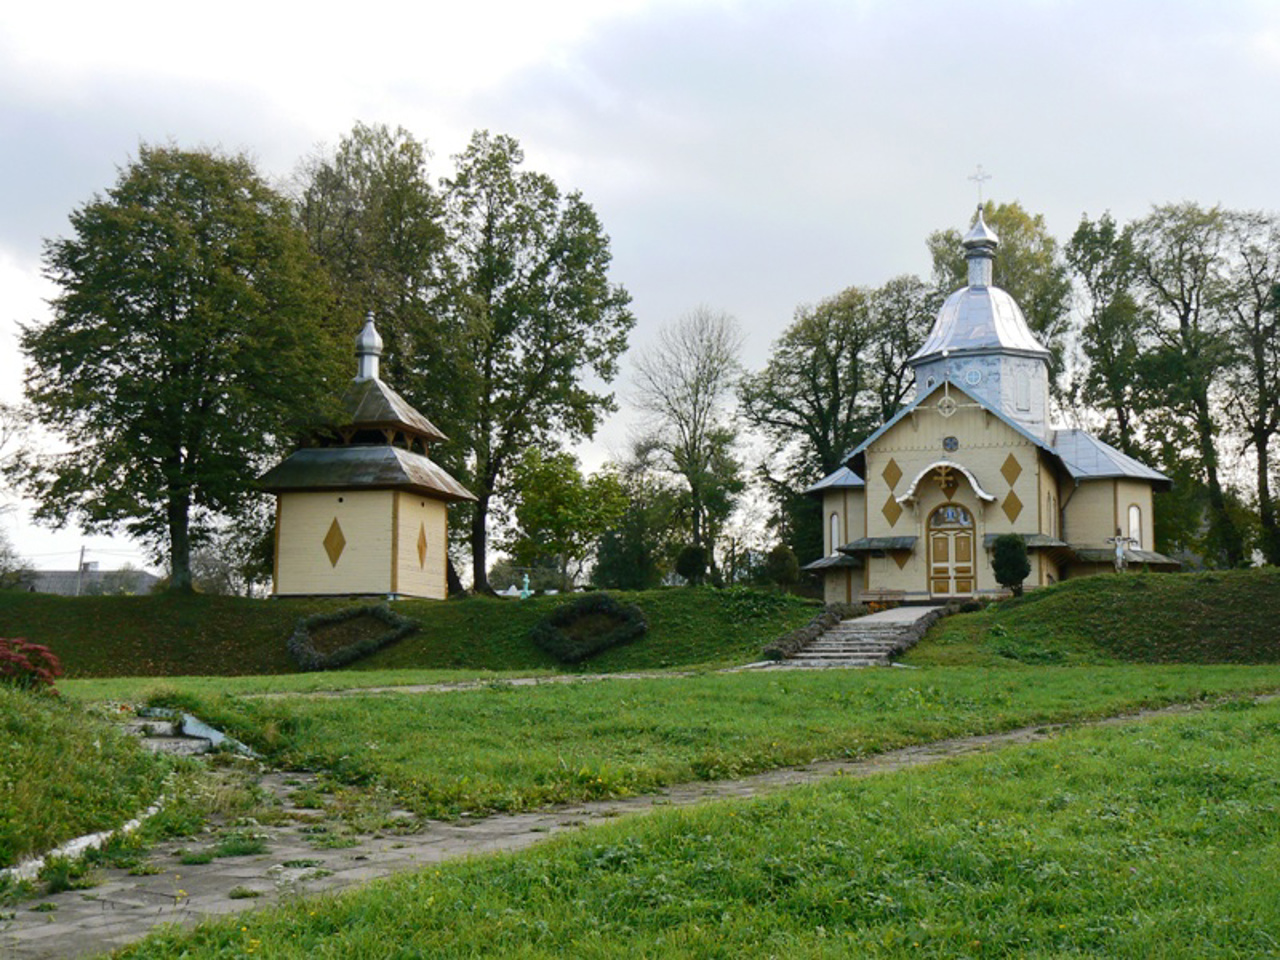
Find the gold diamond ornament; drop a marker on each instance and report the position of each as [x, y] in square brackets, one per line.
[334, 542]
[1012, 506]
[422, 545]
[892, 473]
[1012, 469]
[892, 510]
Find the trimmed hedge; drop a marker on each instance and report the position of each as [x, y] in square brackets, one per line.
[789, 644]
[303, 650]
[573, 632]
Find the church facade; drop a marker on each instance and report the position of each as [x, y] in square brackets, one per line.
[914, 512]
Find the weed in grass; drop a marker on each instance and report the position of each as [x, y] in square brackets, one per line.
[196, 858]
[146, 868]
[301, 864]
[243, 893]
[240, 845]
[63, 873]
[45, 907]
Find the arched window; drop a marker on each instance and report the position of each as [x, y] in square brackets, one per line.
[1135, 524]
[836, 542]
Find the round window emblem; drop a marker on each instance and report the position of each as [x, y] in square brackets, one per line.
[973, 377]
[946, 406]
[950, 444]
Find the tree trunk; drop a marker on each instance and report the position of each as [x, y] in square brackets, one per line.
[1227, 538]
[179, 543]
[1266, 506]
[454, 582]
[479, 558]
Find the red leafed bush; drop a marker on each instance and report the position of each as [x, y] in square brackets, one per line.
[27, 665]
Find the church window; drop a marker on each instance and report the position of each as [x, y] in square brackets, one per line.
[973, 377]
[950, 444]
[1022, 390]
[835, 532]
[1135, 525]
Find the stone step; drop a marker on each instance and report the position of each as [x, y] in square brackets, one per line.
[178, 746]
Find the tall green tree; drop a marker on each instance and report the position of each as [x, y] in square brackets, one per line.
[637, 551]
[1029, 266]
[1180, 255]
[533, 312]
[192, 336]
[559, 513]
[1252, 304]
[1102, 258]
[375, 220]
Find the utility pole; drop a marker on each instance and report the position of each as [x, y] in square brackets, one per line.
[80, 571]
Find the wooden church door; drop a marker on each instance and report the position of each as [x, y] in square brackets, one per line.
[952, 572]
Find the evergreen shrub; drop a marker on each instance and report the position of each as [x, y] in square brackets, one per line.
[586, 626]
[309, 652]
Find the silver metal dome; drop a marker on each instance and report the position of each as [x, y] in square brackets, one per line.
[979, 318]
[368, 350]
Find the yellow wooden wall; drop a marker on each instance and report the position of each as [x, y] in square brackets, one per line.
[379, 555]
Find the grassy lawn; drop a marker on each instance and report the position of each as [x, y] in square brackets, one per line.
[1154, 839]
[1216, 617]
[502, 748]
[65, 772]
[168, 636]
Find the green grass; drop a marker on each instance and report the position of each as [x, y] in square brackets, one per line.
[169, 636]
[1153, 839]
[1216, 617]
[502, 748]
[65, 772]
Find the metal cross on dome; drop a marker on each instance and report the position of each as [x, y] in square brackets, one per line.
[980, 177]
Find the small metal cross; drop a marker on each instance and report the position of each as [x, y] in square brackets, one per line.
[980, 178]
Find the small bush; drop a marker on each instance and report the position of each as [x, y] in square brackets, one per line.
[587, 626]
[27, 665]
[308, 654]
[1009, 561]
[691, 563]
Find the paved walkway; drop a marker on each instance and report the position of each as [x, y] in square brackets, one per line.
[123, 908]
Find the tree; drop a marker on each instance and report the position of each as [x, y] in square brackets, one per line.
[532, 309]
[1029, 267]
[781, 566]
[192, 337]
[559, 513]
[14, 570]
[636, 552]
[1009, 562]
[682, 384]
[374, 219]
[1102, 258]
[1179, 252]
[1252, 304]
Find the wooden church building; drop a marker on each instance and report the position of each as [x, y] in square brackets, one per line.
[916, 508]
[363, 510]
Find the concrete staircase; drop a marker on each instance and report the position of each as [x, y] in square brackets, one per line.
[166, 736]
[867, 641]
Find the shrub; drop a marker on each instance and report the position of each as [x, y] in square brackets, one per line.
[27, 665]
[1010, 563]
[309, 655]
[692, 563]
[586, 626]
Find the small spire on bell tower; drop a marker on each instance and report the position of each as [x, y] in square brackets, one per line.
[980, 250]
[368, 350]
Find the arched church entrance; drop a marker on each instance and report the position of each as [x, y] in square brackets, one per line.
[951, 555]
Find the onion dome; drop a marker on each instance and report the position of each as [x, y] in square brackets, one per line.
[979, 318]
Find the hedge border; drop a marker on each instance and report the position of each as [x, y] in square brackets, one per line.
[307, 657]
[548, 633]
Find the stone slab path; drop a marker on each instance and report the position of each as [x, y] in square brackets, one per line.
[123, 908]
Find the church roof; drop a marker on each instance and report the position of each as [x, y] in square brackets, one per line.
[841, 478]
[371, 404]
[362, 468]
[833, 562]
[1088, 458]
[979, 318]
[1084, 456]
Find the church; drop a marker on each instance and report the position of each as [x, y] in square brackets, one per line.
[914, 512]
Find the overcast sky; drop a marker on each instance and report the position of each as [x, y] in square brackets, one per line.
[747, 156]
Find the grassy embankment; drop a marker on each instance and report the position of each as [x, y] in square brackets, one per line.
[65, 772]
[1155, 839]
[1215, 617]
[167, 636]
